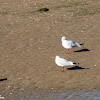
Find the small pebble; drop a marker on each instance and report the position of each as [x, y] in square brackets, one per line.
[9, 86]
[15, 87]
[10, 93]
[95, 65]
[22, 89]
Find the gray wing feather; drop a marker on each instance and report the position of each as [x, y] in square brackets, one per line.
[74, 44]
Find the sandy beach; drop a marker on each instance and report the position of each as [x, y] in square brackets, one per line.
[30, 39]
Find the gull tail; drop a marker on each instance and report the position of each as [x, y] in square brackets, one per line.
[78, 45]
[75, 63]
[82, 44]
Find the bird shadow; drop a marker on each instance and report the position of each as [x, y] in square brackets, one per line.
[3, 79]
[82, 50]
[76, 68]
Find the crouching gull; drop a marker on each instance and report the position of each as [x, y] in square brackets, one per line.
[63, 62]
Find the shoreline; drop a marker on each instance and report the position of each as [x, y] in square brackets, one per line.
[73, 94]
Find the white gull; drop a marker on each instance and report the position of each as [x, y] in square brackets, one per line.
[68, 44]
[63, 62]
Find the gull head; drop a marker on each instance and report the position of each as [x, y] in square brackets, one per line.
[63, 38]
[57, 57]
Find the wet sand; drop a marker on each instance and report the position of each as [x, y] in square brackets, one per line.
[91, 94]
[69, 95]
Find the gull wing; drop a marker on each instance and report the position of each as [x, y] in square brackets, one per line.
[64, 62]
[74, 44]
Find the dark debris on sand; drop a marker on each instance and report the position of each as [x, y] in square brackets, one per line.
[43, 9]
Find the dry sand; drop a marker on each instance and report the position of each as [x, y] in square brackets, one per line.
[30, 40]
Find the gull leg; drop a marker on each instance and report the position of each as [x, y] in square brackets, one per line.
[63, 69]
[68, 51]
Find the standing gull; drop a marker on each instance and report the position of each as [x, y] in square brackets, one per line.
[68, 44]
[63, 62]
